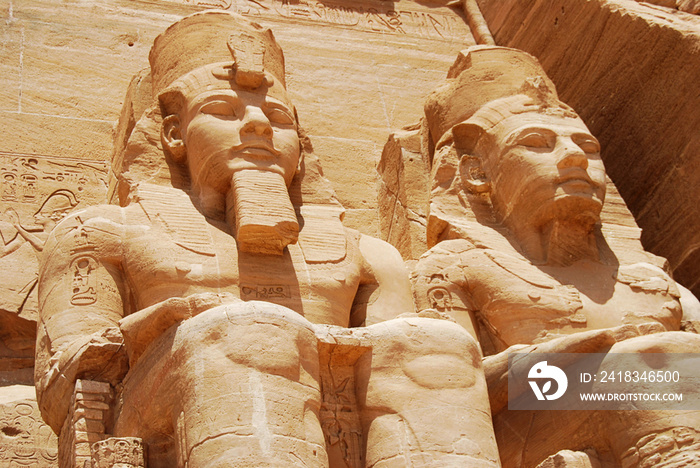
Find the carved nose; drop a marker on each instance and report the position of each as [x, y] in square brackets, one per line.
[572, 155]
[256, 122]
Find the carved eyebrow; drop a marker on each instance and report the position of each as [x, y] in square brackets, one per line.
[204, 98]
[275, 104]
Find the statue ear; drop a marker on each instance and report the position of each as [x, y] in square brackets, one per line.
[466, 136]
[171, 137]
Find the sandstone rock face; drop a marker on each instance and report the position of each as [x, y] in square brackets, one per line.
[65, 68]
[629, 69]
[380, 57]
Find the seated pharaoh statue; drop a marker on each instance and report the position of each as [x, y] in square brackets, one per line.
[239, 323]
[525, 257]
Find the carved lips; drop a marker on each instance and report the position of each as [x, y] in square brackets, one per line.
[577, 179]
[256, 148]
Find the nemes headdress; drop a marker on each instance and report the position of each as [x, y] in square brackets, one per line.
[214, 50]
[483, 75]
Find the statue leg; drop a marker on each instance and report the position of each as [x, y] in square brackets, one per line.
[423, 397]
[236, 386]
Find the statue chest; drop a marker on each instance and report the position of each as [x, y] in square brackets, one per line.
[521, 303]
[159, 265]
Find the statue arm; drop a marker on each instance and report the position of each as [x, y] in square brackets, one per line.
[35, 241]
[81, 302]
[439, 283]
[385, 291]
[496, 366]
[11, 246]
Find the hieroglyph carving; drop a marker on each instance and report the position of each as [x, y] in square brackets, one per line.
[439, 23]
[25, 441]
[118, 452]
[36, 193]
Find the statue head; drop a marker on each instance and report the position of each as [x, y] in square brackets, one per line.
[513, 142]
[220, 82]
[227, 116]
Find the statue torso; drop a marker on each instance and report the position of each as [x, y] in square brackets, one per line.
[164, 254]
[517, 302]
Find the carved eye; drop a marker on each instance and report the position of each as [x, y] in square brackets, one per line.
[588, 146]
[534, 140]
[218, 108]
[279, 116]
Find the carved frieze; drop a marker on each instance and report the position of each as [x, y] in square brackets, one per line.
[381, 17]
[36, 193]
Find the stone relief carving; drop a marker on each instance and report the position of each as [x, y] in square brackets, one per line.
[521, 256]
[25, 441]
[237, 320]
[122, 452]
[36, 193]
[438, 23]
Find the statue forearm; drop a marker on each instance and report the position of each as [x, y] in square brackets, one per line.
[99, 356]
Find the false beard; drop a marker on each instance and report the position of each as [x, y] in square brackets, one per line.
[260, 213]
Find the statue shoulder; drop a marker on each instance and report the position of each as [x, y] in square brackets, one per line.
[376, 253]
[463, 261]
[96, 231]
[447, 251]
[648, 278]
[440, 267]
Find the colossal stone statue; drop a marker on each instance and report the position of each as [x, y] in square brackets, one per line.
[521, 259]
[237, 325]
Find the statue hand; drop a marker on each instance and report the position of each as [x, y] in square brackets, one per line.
[200, 302]
[143, 327]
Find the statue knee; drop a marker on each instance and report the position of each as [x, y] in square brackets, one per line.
[427, 356]
[423, 346]
[424, 397]
[667, 342]
[262, 336]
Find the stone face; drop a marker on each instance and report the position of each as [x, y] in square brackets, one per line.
[225, 306]
[632, 80]
[65, 68]
[520, 257]
[381, 57]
